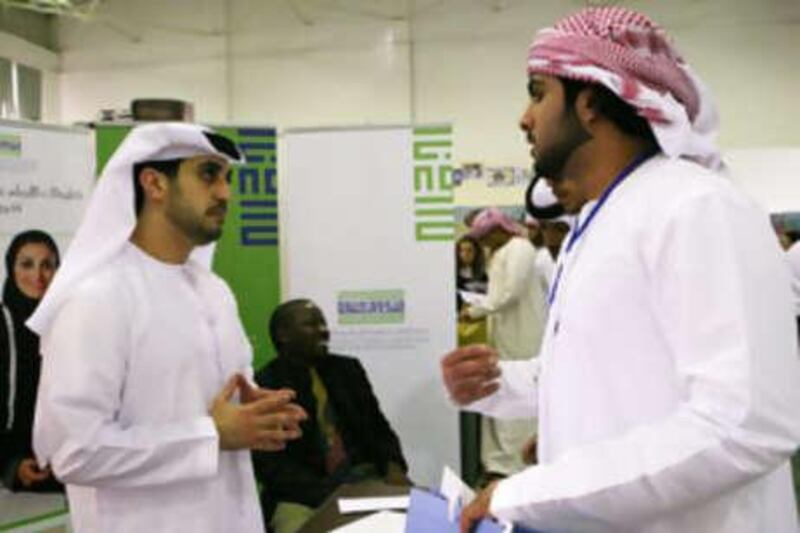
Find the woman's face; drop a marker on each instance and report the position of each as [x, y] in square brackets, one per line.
[466, 253]
[34, 268]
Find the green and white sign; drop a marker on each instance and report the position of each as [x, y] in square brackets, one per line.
[433, 184]
[368, 219]
[371, 307]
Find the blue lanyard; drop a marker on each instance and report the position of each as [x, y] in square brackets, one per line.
[580, 229]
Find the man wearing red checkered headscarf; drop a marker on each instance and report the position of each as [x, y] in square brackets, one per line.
[667, 387]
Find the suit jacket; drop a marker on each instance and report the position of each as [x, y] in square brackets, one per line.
[297, 473]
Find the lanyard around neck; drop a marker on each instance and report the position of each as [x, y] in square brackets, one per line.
[580, 229]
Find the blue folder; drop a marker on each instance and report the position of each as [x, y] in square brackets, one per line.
[427, 513]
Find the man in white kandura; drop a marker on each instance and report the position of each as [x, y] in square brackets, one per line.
[145, 409]
[515, 309]
[668, 383]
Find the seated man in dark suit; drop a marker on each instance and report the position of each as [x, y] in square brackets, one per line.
[346, 437]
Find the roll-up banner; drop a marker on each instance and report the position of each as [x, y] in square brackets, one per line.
[45, 180]
[367, 220]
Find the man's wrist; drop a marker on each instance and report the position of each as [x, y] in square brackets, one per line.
[489, 492]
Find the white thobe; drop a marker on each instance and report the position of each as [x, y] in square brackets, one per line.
[131, 364]
[515, 305]
[668, 385]
[545, 269]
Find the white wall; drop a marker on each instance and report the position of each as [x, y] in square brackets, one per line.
[21, 51]
[770, 176]
[316, 62]
[124, 53]
[270, 67]
[338, 71]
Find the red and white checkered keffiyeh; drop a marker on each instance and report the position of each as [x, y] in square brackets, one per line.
[492, 218]
[626, 52]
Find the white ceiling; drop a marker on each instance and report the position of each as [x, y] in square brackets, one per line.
[311, 12]
[76, 8]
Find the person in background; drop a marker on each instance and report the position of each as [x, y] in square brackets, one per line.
[534, 231]
[31, 261]
[553, 222]
[515, 309]
[667, 385]
[346, 437]
[543, 207]
[553, 234]
[470, 216]
[146, 410]
[470, 268]
[544, 261]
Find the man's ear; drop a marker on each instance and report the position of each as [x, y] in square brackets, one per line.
[154, 184]
[586, 108]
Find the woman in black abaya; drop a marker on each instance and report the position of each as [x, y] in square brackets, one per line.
[31, 261]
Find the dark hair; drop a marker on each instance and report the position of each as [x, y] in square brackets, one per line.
[470, 216]
[168, 167]
[282, 316]
[478, 267]
[604, 101]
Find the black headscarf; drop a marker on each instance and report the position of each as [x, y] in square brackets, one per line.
[21, 306]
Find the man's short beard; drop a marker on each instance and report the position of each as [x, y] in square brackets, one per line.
[204, 236]
[191, 224]
[198, 234]
[572, 134]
